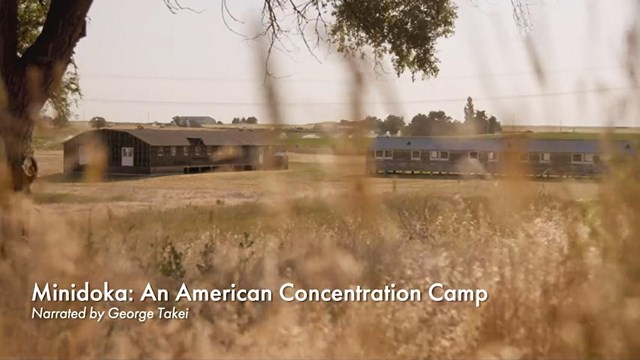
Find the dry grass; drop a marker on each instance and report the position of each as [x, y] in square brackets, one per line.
[538, 261]
[309, 176]
[555, 258]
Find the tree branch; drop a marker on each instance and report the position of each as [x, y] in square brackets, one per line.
[175, 6]
[44, 62]
[8, 36]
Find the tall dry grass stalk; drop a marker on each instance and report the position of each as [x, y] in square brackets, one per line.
[561, 277]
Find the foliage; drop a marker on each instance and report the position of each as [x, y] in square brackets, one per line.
[478, 122]
[171, 262]
[392, 124]
[31, 17]
[436, 123]
[98, 122]
[372, 123]
[252, 120]
[405, 30]
[60, 121]
[469, 110]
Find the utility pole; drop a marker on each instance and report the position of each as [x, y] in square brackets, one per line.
[561, 124]
[513, 122]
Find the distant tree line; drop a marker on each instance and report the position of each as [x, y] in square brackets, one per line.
[435, 123]
[252, 120]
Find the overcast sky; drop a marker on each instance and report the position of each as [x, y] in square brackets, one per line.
[139, 62]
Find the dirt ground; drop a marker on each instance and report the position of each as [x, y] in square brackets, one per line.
[308, 176]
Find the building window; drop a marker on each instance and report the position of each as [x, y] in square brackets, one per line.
[589, 158]
[493, 156]
[473, 155]
[545, 157]
[388, 154]
[161, 151]
[524, 157]
[576, 158]
[534, 157]
[173, 151]
[209, 150]
[379, 154]
[197, 150]
[185, 150]
[415, 155]
[439, 155]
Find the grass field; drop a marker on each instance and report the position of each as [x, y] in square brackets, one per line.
[559, 260]
[310, 175]
[541, 249]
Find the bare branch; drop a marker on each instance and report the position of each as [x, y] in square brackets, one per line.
[175, 6]
[224, 10]
[522, 15]
[283, 18]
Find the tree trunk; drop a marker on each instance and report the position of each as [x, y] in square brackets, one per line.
[30, 79]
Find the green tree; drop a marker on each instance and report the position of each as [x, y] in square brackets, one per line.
[373, 123]
[252, 120]
[393, 124]
[31, 17]
[37, 39]
[469, 111]
[494, 125]
[98, 122]
[420, 125]
[405, 30]
[478, 121]
[481, 121]
[471, 124]
[436, 123]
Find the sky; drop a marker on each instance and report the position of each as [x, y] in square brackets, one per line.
[142, 63]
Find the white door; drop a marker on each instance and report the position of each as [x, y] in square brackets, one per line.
[260, 155]
[127, 156]
[83, 157]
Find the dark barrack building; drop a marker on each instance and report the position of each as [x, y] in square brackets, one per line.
[435, 156]
[151, 151]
